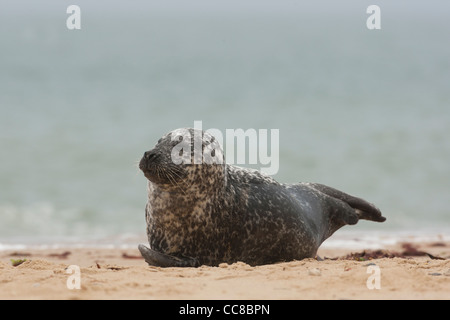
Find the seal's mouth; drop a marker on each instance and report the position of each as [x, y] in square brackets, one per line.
[149, 164]
[143, 165]
[150, 169]
[149, 174]
[159, 172]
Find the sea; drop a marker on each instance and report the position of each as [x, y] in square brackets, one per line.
[366, 111]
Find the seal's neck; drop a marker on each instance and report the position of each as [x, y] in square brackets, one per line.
[183, 197]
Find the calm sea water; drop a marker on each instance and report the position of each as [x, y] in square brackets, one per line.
[364, 111]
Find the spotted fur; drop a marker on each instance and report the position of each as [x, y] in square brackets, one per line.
[214, 213]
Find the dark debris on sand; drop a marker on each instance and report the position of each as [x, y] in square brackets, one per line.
[408, 250]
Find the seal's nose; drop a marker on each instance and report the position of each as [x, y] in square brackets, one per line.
[150, 155]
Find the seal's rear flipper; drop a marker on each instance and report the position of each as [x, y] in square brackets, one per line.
[158, 259]
[363, 209]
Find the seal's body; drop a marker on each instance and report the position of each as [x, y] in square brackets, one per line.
[206, 214]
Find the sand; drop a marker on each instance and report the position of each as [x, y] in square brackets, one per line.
[122, 274]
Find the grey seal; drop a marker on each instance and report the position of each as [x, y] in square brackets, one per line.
[209, 212]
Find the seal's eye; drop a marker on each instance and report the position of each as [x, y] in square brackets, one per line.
[213, 153]
[180, 138]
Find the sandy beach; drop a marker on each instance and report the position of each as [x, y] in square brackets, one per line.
[403, 271]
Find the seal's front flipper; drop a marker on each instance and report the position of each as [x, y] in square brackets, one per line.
[158, 259]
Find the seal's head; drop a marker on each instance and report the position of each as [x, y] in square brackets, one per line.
[184, 158]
